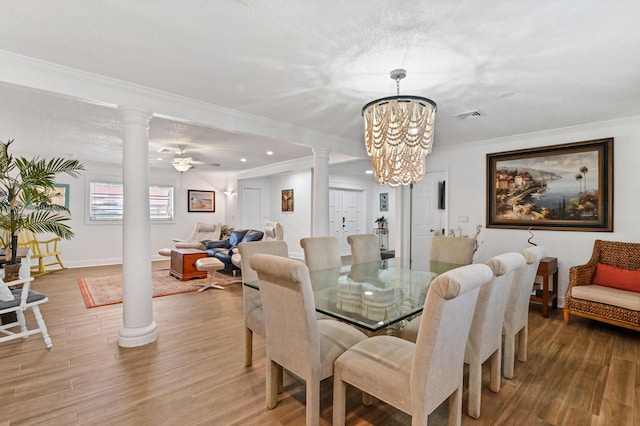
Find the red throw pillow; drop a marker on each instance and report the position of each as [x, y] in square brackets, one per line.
[610, 276]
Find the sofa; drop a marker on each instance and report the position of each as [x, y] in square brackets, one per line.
[224, 250]
[607, 287]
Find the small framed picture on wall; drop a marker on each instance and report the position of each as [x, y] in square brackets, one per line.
[384, 201]
[287, 200]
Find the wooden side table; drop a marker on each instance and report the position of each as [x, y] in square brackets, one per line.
[183, 264]
[547, 269]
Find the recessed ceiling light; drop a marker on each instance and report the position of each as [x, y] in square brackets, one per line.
[244, 160]
[369, 172]
[269, 152]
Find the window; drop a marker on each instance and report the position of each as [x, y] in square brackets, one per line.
[106, 202]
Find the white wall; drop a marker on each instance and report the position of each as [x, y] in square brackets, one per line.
[467, 191]
[101, 244]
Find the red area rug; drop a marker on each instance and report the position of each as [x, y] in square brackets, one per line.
[101, 291]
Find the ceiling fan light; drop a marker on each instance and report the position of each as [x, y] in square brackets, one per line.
[182, 167]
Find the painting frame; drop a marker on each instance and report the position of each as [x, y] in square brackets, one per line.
[201, 201]
[287, 200]
[526, 190]
[61, 195]
[384, 202]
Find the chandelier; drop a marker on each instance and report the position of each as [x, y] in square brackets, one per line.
[398, 132]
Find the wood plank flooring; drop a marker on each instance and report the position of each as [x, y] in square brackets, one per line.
[586, 373]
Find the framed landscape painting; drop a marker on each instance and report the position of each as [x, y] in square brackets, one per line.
[201, 201]
[565, 187]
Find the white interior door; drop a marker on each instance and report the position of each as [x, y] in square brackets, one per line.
[251, 209]
[426, 218]
[345, 215]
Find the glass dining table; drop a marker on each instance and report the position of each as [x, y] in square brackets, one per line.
[371, 296]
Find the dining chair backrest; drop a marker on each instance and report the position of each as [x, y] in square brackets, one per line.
[517, 309]
[289, 311]
[321, 252]
[296, 340]
[248, 249]
[364, 248]
[516, 315]
[251, 300]
[417, 377]
[485, 335]
[450, 251]
[452, 297]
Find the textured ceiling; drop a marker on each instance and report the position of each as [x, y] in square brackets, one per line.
[526, 66]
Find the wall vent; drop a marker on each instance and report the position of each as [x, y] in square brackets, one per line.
[470, 114]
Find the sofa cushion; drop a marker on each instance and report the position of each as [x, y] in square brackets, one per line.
[216, 244]
[236, 237]
[252, 235]
[610, 276]
[609, 295]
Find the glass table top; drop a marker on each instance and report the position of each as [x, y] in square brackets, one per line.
[374, 295]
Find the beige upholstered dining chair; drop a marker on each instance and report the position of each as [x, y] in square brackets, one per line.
[417, 377]
[447, 251]
[516, 316]
[364, 248]
[321, 252]
[253, 314]
[296, 340]
[485, 335]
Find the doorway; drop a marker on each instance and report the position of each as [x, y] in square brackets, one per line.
[251, 208]
[345, 216]
[427, 218]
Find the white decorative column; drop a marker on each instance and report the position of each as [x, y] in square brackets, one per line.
[138, 327]
[320, 204]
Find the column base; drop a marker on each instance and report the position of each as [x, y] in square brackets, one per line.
[140, 336]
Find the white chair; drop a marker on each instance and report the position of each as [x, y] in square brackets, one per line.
[273, 231]
[364, 248]
[201, 232]
[296, 340]
[449, 252]
[485, 335]
[253, 313]
[14, 299]
[417, 377]
[321, 253]
[516, 316]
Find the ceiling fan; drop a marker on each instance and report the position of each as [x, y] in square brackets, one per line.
[182, 162]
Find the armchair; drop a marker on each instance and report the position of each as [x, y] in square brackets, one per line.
[201, 232]
[41, 250]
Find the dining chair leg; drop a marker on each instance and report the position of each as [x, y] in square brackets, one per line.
[455, 407]
[496, 372]
[523, 336]
[248, 347]
[509, 356]
[272, 384]
[339, 401]
[313, 402]
[475, 388]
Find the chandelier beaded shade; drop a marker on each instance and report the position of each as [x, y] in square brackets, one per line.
[399, 135]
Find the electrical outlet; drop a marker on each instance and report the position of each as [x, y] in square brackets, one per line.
[463, 219]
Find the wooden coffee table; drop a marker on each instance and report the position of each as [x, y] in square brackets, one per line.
[183, 264]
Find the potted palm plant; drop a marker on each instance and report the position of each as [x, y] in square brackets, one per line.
[26, 186]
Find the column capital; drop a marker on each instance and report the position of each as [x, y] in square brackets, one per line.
[321, 152]
[134, 115]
